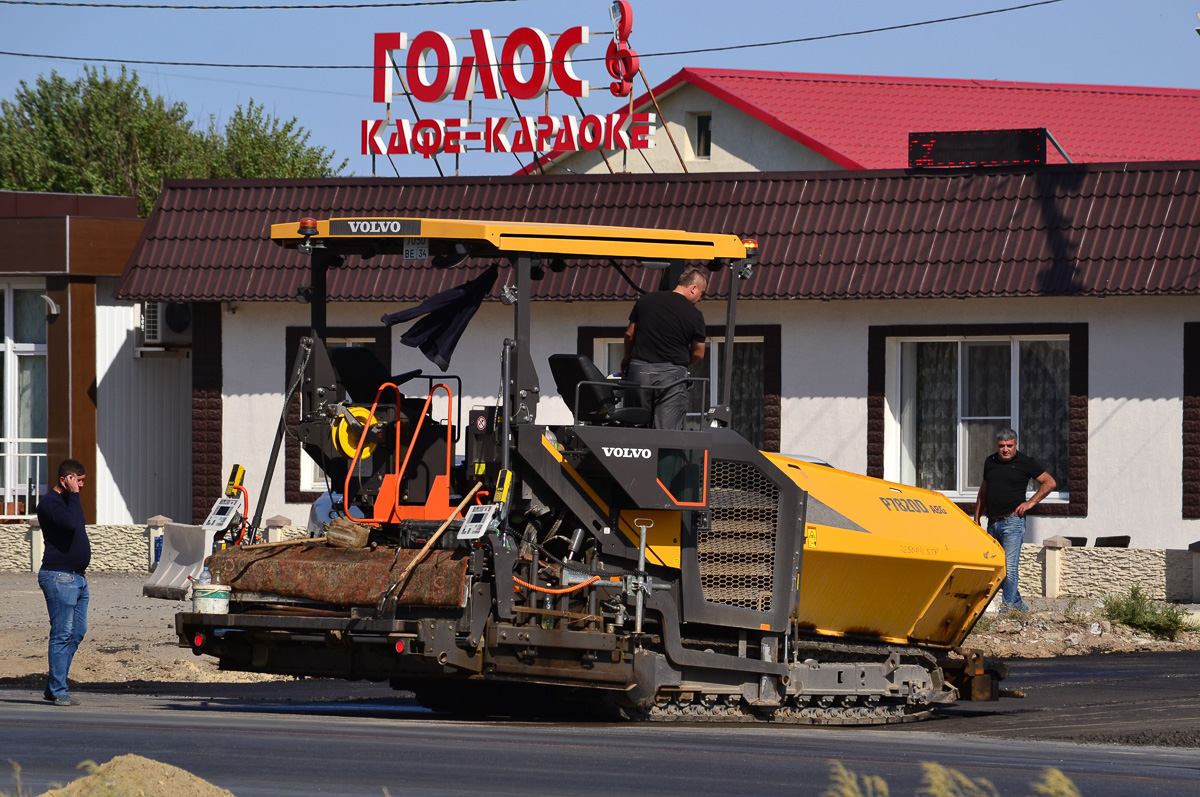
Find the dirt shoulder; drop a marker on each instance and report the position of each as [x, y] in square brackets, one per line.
[131, 638]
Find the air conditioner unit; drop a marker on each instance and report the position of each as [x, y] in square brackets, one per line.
[167, 324]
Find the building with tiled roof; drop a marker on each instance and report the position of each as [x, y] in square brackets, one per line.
[722, 120]
[1064, 300]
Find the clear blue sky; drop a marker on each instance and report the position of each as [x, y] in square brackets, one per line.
[1112, 42]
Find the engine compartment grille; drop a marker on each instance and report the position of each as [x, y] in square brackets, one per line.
[736, 555]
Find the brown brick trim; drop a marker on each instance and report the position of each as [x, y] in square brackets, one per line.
[772, 368]
[1191, 421]
[208, 482]
[291, 449]
[71, 380]
[1077, 444]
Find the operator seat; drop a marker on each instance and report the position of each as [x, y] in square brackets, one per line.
[598, 403]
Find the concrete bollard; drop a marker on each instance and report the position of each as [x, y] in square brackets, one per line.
[154, 532]
[1195, 549]
[36, 545]
[1053, 574]
[275, 527]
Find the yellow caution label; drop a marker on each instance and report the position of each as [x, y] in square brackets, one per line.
[810, 537]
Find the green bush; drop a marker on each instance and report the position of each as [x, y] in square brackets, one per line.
[1136, 610]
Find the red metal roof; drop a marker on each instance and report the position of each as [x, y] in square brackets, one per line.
[863, 122]
[1084, 230]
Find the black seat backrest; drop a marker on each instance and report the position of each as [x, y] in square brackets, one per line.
[596, 402]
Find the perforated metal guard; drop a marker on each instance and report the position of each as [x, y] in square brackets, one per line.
[737, 554]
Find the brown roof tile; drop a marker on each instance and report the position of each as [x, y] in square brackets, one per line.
[1094, 229]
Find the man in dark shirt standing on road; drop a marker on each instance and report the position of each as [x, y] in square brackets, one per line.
[66, 556]
[1006, 476]
[665, 336]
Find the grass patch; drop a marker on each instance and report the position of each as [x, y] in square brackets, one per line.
[1074, 612]
[940, 781]
[20, 790]
[984, 623]
[1136, 610]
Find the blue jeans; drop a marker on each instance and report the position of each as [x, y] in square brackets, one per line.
[1010, 533]
[66, 601]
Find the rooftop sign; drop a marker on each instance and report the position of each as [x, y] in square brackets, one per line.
[969, 148]
[428, 68]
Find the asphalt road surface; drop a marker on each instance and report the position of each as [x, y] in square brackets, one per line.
[1139, 714]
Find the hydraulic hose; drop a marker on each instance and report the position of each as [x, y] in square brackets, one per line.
[549, 591]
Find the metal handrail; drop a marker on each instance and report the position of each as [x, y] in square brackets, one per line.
[622, 383]
[21, 480]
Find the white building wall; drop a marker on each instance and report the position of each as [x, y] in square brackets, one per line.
[1135, 405]
[1135, 386]
[740, 143]
[143, 422]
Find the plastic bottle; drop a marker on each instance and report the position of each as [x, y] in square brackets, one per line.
[205, 577]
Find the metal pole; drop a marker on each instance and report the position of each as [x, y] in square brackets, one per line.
[641, 576]
[723, 413]
[506, 406]
[319, 265]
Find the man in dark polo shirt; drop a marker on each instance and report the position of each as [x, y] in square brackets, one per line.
[66, 556]
[1006, 476]
[665, 336]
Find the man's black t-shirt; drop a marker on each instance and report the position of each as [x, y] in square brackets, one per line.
[667, 326]
[1007, 482]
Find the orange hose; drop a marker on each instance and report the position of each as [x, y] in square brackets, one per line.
[417, 430]
[549, 591]
[362, 439]
[245, 511]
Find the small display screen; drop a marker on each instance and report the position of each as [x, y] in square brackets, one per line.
[951, 148]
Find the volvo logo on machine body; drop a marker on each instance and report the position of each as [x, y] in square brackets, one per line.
[626, 453]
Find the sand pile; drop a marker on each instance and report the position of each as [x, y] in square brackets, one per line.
[135, 776]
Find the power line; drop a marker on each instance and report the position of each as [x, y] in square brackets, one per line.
[338, 6]
[696, 51]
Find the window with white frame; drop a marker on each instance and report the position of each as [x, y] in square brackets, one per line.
[749, 390]
[23, 400]
[956, 393]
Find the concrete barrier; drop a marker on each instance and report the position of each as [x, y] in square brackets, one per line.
[1058, 569]
[115, 548]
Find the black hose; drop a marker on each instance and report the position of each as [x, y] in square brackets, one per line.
[302, 356]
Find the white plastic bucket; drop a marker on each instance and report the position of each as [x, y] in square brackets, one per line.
[210, 598]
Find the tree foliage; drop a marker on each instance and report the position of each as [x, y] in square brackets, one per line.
[109, 135]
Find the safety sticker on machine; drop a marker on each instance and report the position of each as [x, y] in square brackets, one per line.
[810, 536]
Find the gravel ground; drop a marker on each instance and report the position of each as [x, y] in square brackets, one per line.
[131, 638]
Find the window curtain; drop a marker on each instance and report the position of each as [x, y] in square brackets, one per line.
[935, 412]
[1044, 405]
[746, 402]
